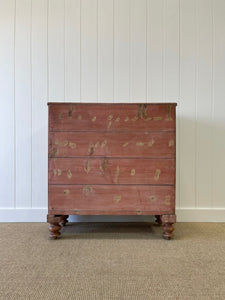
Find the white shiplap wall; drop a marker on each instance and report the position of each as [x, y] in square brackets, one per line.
[112, 51]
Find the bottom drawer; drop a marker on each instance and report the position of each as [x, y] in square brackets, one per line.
[111, 199]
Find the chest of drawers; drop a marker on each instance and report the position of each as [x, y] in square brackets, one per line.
[111, 159]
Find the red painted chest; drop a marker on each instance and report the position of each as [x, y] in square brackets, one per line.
[111, 159]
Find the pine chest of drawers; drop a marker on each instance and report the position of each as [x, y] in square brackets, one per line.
[111, 159]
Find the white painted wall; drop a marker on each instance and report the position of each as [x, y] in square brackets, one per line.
[112, 51]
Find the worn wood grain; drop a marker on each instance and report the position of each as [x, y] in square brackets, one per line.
[112, 144]
[111, 159]
[113, 199]
[111, 171]
[111, 117]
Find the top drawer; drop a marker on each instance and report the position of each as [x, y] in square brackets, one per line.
[111, 117]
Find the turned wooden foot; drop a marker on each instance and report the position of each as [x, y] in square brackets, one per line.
[158, 219]
[64, 220]
[54, 227]
[167, 221]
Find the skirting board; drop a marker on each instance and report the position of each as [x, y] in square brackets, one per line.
[183, 215]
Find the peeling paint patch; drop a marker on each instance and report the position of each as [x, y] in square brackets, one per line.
[66, 192]
[139, 144]
[91, 148]
[134, 118]
[109, 124]
[151, 143]
[93, 119]
[72, 145]
[61, 116]
[69, 174]
[103, 166]
[126, 119]
[87, 190]
[57, 172]
[147, 119]
[63, 143]
[110, 117]
[103, 143]
[87, 166]
[79, 117]
[167, 200]
[171, 143]
[142, 112]
[54, 152]
[157, 118]
[125, 144]
[117, 119]
[70, 112]
[117, 198]
[157, 173]
[117, 174]
[152, 198]
[132, 173]
[138, 211]
[168, 109]
[96, 144]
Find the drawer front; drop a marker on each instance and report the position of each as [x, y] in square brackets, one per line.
[111, 117]
[111, 144]
[111, 171]
[103, 199]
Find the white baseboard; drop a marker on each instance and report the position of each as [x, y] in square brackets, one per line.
[200, 214]
[183, 215]
[23, 214]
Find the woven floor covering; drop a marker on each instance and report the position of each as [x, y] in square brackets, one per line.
[112, 261]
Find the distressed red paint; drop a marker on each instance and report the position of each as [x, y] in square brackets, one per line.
[112, 159]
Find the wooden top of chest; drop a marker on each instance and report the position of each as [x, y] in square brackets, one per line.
[102, 103]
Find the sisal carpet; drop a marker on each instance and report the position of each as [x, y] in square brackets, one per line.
[107, 261]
